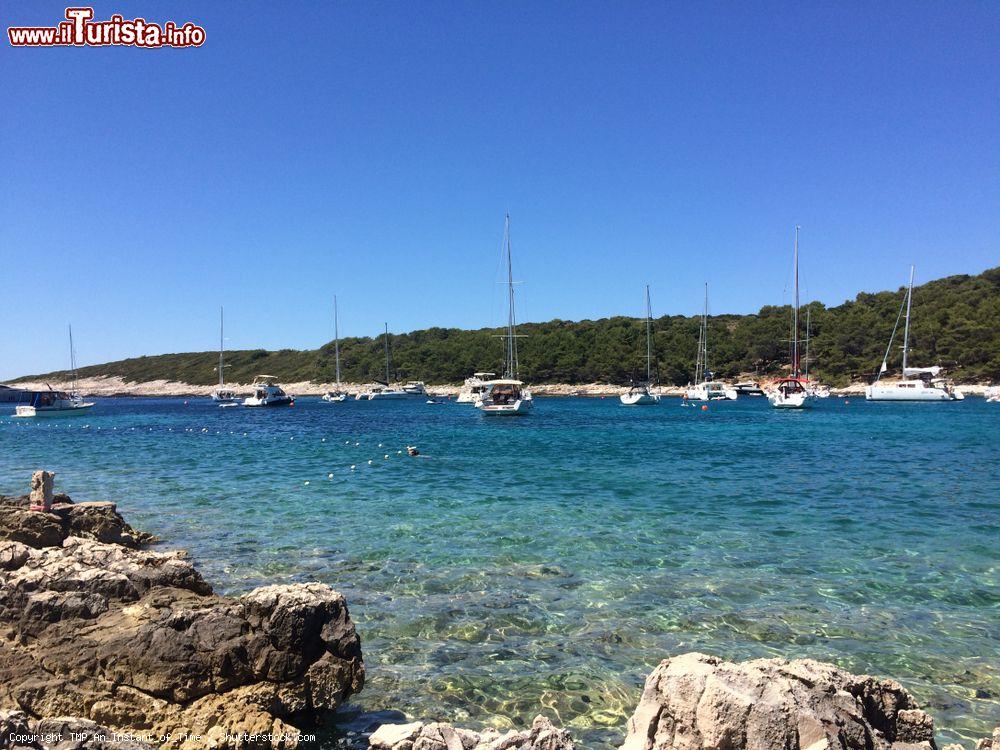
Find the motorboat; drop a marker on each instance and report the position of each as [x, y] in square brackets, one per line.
[337, 394]
[792, 392]
[472, 389]
[223, 394]
[992, 394]
[917, 383]
[53, 404]
[817, 390]
[267, 392]
[415, 388]
[641, 394]
[705, 387]
[748, 388]
[382, 392]
[507, 396]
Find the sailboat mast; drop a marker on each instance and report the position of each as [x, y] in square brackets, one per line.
[795, 310]
[906, 327]
[336, 338]
[222, 344]
[387, 353]
[72, 358]
[511, 339]
[649, 341]
[808, 320]
[704, 337]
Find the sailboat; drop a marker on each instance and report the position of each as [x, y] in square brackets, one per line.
[223, 394]
[53, 403]
[337, 394]
[507, 396]
[791, 392]
[918, 383]
[705, 388]
[383, 391]
[641, 393]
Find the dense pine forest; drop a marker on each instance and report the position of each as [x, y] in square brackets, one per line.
[956, 324]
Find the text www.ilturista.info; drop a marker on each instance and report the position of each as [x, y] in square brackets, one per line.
[80, 30]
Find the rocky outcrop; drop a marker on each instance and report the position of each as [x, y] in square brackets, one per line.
[543, 735]
[698, 701]
[19, 732]
[92, 626]
[990, 743]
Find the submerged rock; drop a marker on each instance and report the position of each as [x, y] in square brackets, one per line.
[699, 701]
[93, 627]
[543, 735]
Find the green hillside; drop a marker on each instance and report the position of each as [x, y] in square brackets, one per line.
[956, 324]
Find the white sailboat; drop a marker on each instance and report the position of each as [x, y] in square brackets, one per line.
[223, 394]
[641, 393]
[705, 388]
[507, 396]
[791, 392]
[918, 383]
[337, 394]
[52, 403]
[384, 391]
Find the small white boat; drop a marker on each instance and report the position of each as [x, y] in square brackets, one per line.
[472, 389]
[992, 394]
[337, 395]
[507, 396]
[382, 391]
[415, 388]
[223, 394]
[917, 383]
[792, 392]
[641, 394]
[748, 388]
[267, 392]
[705, 388]
[53, 404]
[789, 393]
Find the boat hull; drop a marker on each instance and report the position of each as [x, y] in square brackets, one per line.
[32, 412]
[908, 391]
[791, 401]
[639, 399]
[518, 408]
[268, 402]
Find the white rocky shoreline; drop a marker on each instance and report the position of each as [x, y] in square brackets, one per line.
[113, 386]
[107, 645]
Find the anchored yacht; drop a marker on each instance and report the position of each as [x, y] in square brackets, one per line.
[918, 383]
[792, 392]
[338, 393]
[705, 388]
[473, 388]
[267, 392]
[52, 403]
[642, 393]
[223, 394]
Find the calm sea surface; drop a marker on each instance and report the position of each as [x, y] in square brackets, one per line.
[546, 564]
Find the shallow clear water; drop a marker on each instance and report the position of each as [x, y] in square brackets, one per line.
[546, 564]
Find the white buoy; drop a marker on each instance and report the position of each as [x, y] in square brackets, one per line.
[306, 482]
[357, 444]
[323, 440]
[380, 445]
[386, 456]
[370, 462]
[352, 467]
[330, 475]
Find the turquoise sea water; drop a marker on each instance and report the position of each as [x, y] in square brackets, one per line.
[546, 564]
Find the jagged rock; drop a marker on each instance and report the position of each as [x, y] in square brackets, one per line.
[136, 640]
[99, 521]
[696, 701]
[42, 484]
[543, 735]
[990, 743]
[18, 732]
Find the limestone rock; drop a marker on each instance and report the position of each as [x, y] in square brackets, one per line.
[137, 641]
[990, 743]
[698, 701]
[543, 735]
[42, 484]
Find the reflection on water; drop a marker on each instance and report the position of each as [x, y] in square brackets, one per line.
[547, 563]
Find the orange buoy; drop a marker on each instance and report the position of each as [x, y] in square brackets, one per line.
[704, 407]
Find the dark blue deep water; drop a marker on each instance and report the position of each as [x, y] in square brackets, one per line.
[545, 564]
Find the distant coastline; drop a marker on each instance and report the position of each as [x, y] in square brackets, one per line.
[114, 386]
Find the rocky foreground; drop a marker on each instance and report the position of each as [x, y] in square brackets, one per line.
[105, 645]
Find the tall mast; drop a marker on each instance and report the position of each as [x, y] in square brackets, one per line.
[808, 320]
[704, 337]
[511, 365]
[795, 310]
[387, 353]
[336, 338]
[906, 327]
[72, 358]
[649, 342]
[222, 343]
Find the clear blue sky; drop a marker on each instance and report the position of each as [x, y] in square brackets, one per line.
[370, 149]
